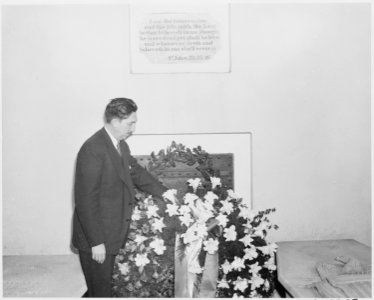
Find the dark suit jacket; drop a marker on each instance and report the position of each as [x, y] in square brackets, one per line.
[104, 193]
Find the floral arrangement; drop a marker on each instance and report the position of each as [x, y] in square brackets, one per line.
[210, 220]
[143, 268]
[246, 260]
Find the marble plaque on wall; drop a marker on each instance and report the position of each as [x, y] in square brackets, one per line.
[179, 38]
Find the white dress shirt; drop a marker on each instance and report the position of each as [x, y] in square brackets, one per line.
[114, 140]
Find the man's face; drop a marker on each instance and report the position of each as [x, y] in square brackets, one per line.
[126, 127]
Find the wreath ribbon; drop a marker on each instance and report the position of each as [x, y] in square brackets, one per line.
[187, 267]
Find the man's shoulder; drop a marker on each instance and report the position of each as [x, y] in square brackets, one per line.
[97, 137]
[96, 142]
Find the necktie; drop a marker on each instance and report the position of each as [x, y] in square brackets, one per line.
[119, 148]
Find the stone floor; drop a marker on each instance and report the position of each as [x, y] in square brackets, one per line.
[45, 276]
[42, 276]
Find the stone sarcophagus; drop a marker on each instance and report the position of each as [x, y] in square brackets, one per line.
[177, 176]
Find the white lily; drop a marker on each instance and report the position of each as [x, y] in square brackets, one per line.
[255, 268]
[226, 267]
[190, 199]
[172, 209]
[215, 182]
[184, 210]
[136, 214]
[158, 246]
[211, 246]
[238, 263]
[227, 207]
[223, 284]
[231, 194]
[246, 240]
[158, 224]
[152, 211]
[139, 239]
[250, 253]
[230, 233]
[194, 183]
[256, 282]
[222, 219]
[210, 197]
[170, 195]
[141, 260]
[240, 284]
[124, 268]
[186, 219]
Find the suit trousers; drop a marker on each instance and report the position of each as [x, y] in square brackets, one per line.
[98, 276]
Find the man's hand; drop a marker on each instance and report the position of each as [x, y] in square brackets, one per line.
[98, 253]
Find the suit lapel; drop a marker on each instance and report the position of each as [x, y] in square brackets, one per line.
[121, 164]
[125, 161]
[114, 156]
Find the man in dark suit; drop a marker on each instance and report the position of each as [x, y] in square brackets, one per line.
[105, 177]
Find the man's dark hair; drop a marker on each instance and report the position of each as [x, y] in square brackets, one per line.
[119, 108]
